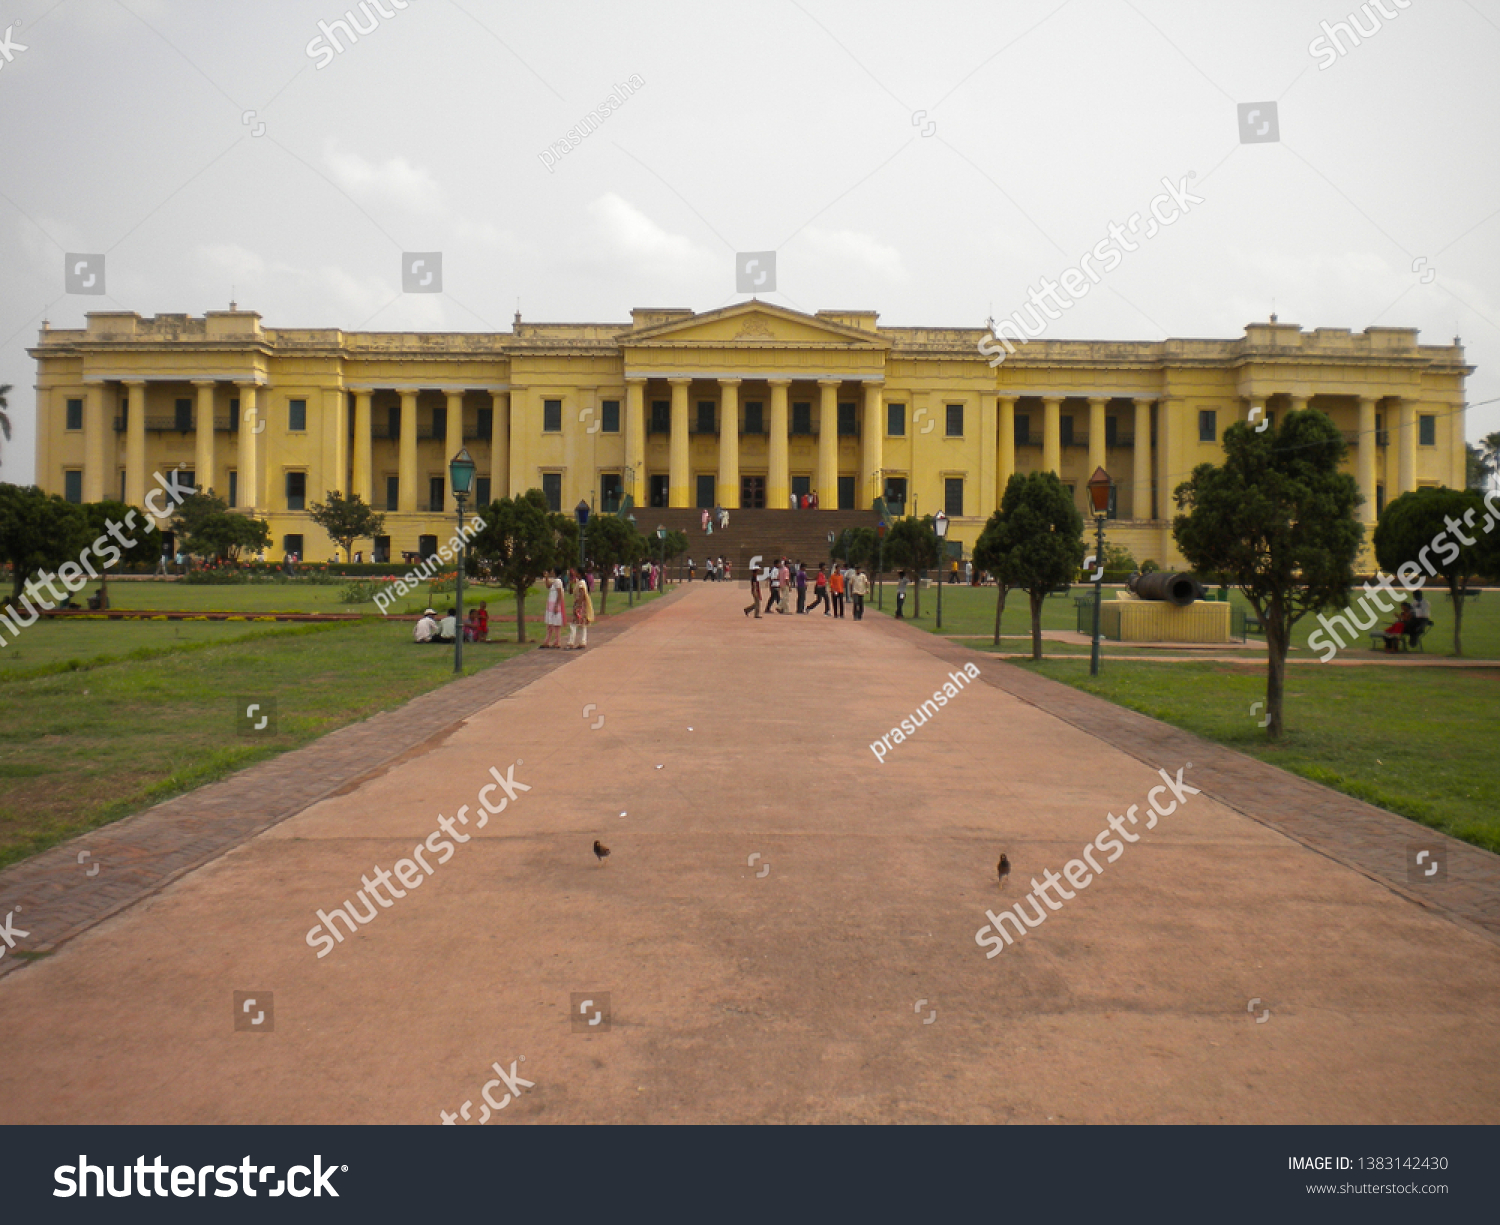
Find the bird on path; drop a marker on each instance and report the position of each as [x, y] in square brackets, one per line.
[1002, 869]
[600, 850]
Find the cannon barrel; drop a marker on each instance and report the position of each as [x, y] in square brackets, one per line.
[1179, 589]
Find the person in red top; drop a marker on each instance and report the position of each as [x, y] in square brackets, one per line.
[482, 622]
[820, 593]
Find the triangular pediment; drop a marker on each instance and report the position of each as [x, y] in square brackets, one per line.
[752, 324]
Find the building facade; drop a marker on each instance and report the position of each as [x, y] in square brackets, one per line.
[745, 407]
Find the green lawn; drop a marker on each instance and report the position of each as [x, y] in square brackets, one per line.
[971, 610]
[82, 748]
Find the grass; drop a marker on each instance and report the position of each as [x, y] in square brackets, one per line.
[1418, 742]
[108, 718]
[971, 610]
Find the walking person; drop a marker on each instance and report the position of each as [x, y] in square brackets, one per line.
[553, 617]
[773, 577]
[691, 570]
[836, 589]
[801, 588]
[754, 605]
[820, 593]
[583, 613]
[786, 588]
[900, 594]
[861, 589]
[703, 522]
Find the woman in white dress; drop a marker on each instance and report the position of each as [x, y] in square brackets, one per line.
[554, 616]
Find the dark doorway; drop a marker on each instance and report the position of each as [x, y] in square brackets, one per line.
[753, 492]
[660, 490]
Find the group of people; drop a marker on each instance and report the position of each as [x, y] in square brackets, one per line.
[832, 586]
[803, 501]
[649, 577]
[715, 570]
[579, 620]
[1412, 620]
[476, 627]
[718, 516]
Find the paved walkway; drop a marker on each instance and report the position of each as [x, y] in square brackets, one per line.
[786, 927]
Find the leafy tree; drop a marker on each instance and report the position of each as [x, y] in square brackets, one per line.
[188, 518]
[611, 541]
[132, 525]
[1434, 530]
[1476, 468]
[993, 552]
[522, 539]
[1035, 543]
[224, 534]
[347, 520]
[1489, 447]
[912, 544]
[38, 531]
[857, 546]
[1277, 519]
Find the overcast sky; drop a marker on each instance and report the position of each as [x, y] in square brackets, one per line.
[931, 162]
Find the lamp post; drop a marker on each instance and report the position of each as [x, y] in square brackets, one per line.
[460, 480]
[1099, 487]
[940, 526]
[880, 565]
[582, 513]
[661, 536]
[634, 567]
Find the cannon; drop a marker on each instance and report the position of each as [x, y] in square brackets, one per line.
[1179, 589]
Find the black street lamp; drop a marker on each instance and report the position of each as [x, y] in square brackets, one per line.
[634, 568]
[582, 512]
[880, 532]
[940, 526]
[1099, 487]
[461, 481]
[661, 536]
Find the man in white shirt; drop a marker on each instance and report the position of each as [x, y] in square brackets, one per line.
[427, 627]
[1421, 616]
[447, 628]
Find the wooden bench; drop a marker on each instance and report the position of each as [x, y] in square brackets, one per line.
[1253, 625]
[1406, 641]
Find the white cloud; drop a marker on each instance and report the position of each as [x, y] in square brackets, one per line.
[393, 181]
[853, 248]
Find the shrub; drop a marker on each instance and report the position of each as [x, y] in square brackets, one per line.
[1150, 566]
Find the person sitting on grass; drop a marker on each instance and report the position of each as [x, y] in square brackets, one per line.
[427, 627]
[448, 627]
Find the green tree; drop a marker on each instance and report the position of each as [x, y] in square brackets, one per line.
[1036, 543]
[611, 541]
[1277, 519]
[225, 534]
[856, 545]
[189, 516]
[1440, 522]
[1489, 447]
[912, 544]
[993, 553]
[347, 520]
[132, 526]
[522, 539]
[38, 531]
[1476, 468]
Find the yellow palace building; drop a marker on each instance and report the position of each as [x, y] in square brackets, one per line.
[744, 407]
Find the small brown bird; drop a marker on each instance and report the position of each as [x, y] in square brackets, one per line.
[1002, 869]
[600, 850]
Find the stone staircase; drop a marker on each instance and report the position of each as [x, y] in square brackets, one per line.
[801, 535]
